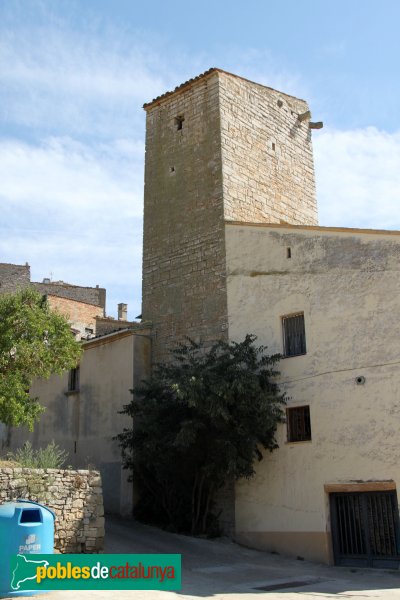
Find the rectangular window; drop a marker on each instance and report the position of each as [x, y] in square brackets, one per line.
[298, 424]
[294, 335]
[73, 380]
[89, 333]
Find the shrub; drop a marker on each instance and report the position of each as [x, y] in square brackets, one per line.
[201, 421]
[50, 457]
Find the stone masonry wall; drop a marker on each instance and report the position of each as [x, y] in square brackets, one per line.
[184, 292]
[80, 314]
[75, 496]
[90, 295]
[105, 325]
[221, 148]
[267, 158]
[13, 277]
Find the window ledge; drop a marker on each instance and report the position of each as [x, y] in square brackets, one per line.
[299, 442]
[71, 392]
[294, 355]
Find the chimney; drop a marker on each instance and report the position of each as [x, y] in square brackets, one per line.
[122, 312]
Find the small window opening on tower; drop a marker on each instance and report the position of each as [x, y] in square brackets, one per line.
[288, 253]
[280, 103]
[172, 169]
[73, 380]
[179, 122]
[273, 146]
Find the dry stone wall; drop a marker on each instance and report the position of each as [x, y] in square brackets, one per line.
[75, 496]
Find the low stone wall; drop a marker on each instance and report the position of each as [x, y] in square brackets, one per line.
[75, 496]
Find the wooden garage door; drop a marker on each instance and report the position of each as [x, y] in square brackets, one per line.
[365, 529]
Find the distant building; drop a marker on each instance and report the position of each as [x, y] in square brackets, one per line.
[14, 277]
[90, 295]
[81, 305]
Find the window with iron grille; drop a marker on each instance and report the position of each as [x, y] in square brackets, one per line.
[298, 424]
[294, 335]
[73, 380]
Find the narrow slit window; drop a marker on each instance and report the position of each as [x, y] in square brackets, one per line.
[294, 335]
[298, 424]
[179, 122]
[288, 253]
[73, 380]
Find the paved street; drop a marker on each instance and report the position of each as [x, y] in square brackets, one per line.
[226, 571]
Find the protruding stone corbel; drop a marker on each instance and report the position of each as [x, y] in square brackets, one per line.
[316, 125]
[304, 116]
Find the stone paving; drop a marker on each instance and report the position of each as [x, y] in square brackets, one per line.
[223, 570]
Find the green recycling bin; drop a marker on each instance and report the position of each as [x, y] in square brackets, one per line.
[26, 527]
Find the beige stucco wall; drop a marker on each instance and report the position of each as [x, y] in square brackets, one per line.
[85, 422]
[348, 285]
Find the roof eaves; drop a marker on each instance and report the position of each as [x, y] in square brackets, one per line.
[189, 82]
[313, 227]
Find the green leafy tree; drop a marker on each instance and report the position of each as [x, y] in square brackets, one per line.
[201, 421]
[35, 341]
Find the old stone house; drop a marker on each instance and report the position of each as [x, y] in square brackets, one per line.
[232, 246]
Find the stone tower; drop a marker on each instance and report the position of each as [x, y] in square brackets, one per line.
[219, 147]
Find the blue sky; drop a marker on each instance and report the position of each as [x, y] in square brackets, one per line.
[74, 76]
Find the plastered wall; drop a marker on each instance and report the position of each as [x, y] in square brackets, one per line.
[85, 422]
[347, 284]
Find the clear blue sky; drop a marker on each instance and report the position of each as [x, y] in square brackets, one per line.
[73, 77]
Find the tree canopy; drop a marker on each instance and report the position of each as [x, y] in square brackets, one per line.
[35, 341]
[200, 421]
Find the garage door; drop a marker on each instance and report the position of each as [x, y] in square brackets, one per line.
[365, 529]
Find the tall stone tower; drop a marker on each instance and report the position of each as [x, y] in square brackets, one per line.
[218, 148]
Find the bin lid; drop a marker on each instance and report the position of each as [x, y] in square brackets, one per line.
[8, 509]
